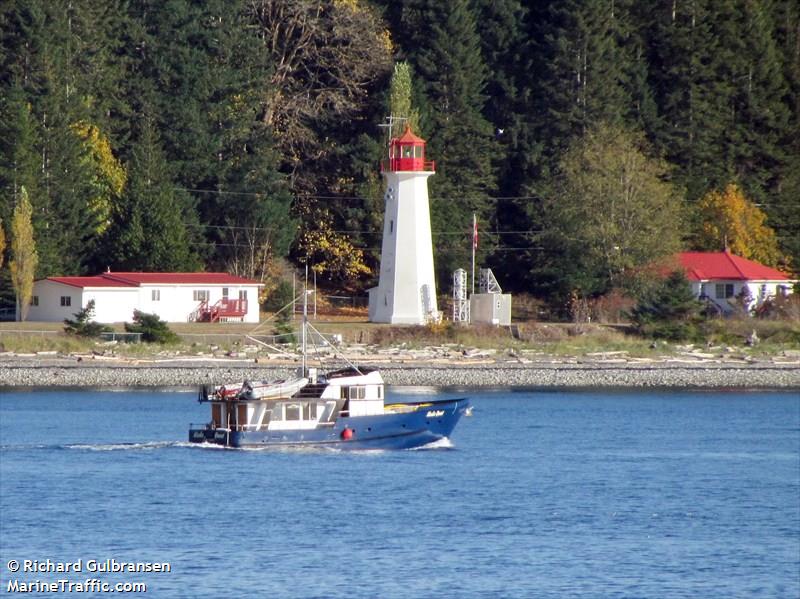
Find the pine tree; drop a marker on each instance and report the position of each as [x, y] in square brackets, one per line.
[440, 41]
[582, 68]
[198, 71]
[148, 230]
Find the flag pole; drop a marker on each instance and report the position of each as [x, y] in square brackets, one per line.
[474, 245]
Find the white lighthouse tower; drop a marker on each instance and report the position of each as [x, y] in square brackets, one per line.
[406, 291]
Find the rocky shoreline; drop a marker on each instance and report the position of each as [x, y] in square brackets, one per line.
[474, 371]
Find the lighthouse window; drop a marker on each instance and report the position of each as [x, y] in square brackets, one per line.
[417, 151]
[391, 226]
[407, 151]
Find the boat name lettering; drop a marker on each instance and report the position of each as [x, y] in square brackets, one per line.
[434, 413]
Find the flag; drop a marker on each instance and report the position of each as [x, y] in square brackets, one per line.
[474, 232]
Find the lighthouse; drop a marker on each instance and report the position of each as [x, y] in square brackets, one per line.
[406, 291]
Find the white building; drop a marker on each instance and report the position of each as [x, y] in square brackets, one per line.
[406, 291]
[721, 277]
[174, 297]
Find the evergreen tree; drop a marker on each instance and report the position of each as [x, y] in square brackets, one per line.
[43, 58]
[148, 231]
[198, 70]
[441, 42]
[583, 69]
[668, 310]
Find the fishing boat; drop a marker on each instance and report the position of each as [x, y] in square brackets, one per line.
[344, 408]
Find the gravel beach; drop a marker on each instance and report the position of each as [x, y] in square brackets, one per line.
[477, 371]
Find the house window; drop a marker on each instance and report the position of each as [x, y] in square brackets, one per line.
[155, 295]
[724, 290]
[35, 300]
[200, 295]
[243, 294]
[783, 290]
[66, 300]
[224, 293]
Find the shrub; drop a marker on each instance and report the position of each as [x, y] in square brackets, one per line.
[282, 295]
[152, 328]
[669, 310]
[83, 325]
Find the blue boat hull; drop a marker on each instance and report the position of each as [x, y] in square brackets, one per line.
[405, 430]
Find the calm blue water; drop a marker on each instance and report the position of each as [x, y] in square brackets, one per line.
[543, 494]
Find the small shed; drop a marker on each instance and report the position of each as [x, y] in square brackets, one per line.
[491, 305]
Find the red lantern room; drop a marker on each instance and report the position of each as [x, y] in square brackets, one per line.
[407, 153]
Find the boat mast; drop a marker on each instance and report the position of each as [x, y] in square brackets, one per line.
[305, 321]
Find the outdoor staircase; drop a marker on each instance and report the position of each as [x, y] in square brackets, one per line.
[223, 311]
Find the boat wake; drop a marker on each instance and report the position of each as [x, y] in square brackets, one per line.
[140, 446]
[144, 446]
[443, 443]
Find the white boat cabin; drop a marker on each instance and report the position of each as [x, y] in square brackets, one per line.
[342, 393]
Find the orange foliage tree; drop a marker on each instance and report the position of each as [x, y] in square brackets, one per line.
[728, 220]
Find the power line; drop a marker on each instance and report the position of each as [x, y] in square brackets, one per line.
[304, 196]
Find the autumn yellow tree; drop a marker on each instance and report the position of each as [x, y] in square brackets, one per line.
[2, 243]
[728, 220]
[23, 249]
[331, 254]
[108, 175]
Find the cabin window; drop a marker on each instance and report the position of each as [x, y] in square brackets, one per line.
[66, 300]
[724, 290]
[155, 295]
[200, 295]
[310, 411]
[35, 300]
[357, 392]
[293, 412]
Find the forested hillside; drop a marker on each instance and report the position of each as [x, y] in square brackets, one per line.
[590, 137]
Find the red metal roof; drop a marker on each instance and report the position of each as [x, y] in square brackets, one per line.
[179, 278]
[409, 137]
[703, 266]
[136, 279]
[90, 282]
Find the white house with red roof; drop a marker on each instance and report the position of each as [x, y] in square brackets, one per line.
[721, 276]
[174, 297]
